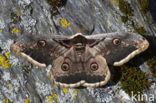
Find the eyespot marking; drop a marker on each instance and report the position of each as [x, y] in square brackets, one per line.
[94, 66]
[42, 43]
[65, 66]
[116, 41]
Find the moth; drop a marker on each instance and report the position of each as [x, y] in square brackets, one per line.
[80, 60]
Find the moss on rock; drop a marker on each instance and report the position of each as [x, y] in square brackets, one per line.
[15, 18]
[56, 3]
[144, 4]
[152, 66]
[140, 30]
[0, 49]
[124, 19]
[151, 60]
[150, 56]
[125, 8]
[133, 80]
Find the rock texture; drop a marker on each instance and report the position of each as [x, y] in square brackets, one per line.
[25, 83]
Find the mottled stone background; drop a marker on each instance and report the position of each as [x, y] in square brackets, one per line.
[21, 82]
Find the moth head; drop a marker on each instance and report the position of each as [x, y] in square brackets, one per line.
[88, 69]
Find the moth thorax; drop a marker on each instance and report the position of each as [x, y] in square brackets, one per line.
[79, 48]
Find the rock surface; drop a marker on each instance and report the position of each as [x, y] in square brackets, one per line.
[24, 83]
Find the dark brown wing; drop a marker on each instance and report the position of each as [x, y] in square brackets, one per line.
[38, 49]
[118, 48]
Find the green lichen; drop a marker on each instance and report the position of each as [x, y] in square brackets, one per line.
[0, 49]
[149, 20]
[142, 102]
[124, 19]
[125, 8]
[152, 66]
[127, 11]
[140, 30]
[144, 4]
[55, 3]
[15, 18]
[27, 7]
[133, 80]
